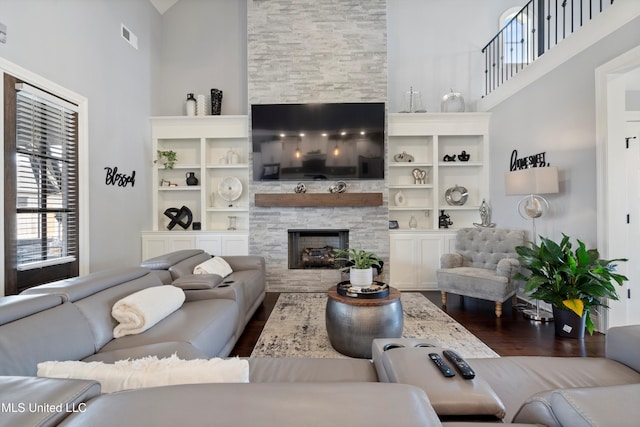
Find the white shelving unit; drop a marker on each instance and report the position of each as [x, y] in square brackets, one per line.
[203, 146]
[429, 137]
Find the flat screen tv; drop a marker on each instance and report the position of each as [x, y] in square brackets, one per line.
[329, 141]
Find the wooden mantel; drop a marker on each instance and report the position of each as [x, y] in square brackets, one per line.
[318, 199]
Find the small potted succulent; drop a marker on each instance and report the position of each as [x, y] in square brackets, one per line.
[574, 282]
[360, 264]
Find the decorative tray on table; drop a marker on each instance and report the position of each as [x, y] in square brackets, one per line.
[375, 290]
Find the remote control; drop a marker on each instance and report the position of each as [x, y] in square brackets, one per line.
[441, 364]
[461, 365]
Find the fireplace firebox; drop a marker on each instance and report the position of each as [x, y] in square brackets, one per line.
[316, 248]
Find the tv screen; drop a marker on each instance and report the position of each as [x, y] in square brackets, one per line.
[333, 141]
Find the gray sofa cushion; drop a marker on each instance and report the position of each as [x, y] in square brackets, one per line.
[97, 307]
[185, 267]
[80, 287]
[484, 248]
[193, 324]
[198, 281]
[57, 333]
[597, 406]
[475, 282]
[14, 307]
[61, 395]
[265, 405]
[288, 369]
[252, 282]
[95, 294]
[515, 379]
[623, 345]
[163, 262]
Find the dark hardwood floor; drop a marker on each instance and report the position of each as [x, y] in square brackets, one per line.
[509, 335]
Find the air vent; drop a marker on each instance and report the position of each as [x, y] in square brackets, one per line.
[126, 34]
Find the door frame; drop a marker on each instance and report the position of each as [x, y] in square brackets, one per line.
[610, 127]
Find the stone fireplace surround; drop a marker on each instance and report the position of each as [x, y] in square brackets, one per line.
[368, 229]
[302, 51]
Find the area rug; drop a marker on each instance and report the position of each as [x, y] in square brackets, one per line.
[296, 328]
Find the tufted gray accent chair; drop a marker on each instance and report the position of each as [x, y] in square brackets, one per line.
[483, 266]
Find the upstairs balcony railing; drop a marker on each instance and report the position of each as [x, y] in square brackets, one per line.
[537, 27]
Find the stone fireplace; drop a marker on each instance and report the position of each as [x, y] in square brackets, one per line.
[303, 51]
[312, 248]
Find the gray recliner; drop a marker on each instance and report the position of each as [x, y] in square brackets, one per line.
[483, 266]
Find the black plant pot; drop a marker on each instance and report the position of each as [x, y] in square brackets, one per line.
[568, 324]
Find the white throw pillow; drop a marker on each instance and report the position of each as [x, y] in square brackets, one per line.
[143, 309]
[216, 265]
[150, 372]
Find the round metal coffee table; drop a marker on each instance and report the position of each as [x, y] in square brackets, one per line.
[353, 323]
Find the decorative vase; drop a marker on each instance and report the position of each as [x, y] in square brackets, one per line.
[191, 178]
[232, 157]
[568, 324]
[190, 105]
[201, 105]
[216, 101]
[360, 277]
[232, 223]
[413, 223]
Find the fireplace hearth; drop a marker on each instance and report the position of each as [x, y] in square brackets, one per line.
[310, 249]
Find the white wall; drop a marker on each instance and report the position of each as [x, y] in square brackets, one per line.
[632, 100]
[204, 46]
[556, 114]
[77, 45]
[435, 46]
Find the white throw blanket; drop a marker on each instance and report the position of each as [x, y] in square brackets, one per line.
[216, 265]
[143, 309]
[150, 372]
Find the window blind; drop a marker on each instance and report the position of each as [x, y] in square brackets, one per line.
[46, 179]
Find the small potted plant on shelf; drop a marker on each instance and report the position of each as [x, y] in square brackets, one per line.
[166, 158]
[360, 264]
[574, 282]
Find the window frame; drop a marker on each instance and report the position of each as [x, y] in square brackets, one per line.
[8, 68]
[504, 24]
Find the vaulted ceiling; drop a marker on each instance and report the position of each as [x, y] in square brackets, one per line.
[163, 5]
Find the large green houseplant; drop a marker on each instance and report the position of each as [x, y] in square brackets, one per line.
[576, 280]
[360, 264]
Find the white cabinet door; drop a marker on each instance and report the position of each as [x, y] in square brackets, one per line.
[156, 244]
[404, 261]
[415, 257]
[153, 246]
[235, 244]
[224, 244]
[431, 247]
[210, 243]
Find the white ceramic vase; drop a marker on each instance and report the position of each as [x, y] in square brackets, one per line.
[361, 278]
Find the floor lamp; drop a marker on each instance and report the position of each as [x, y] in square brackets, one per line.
[531, 183]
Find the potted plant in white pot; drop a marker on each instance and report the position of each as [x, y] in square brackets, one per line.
[575, 283]
[360, 264]
[166, 158]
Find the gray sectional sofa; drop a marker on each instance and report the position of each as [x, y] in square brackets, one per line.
[70, 320]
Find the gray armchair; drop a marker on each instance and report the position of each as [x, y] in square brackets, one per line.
[483, 266]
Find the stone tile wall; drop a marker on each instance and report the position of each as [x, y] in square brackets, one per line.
[316, 51]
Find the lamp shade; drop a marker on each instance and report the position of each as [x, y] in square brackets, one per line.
[543, 180]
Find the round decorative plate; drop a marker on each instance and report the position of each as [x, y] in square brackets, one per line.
[230, 188]
[456, 196]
